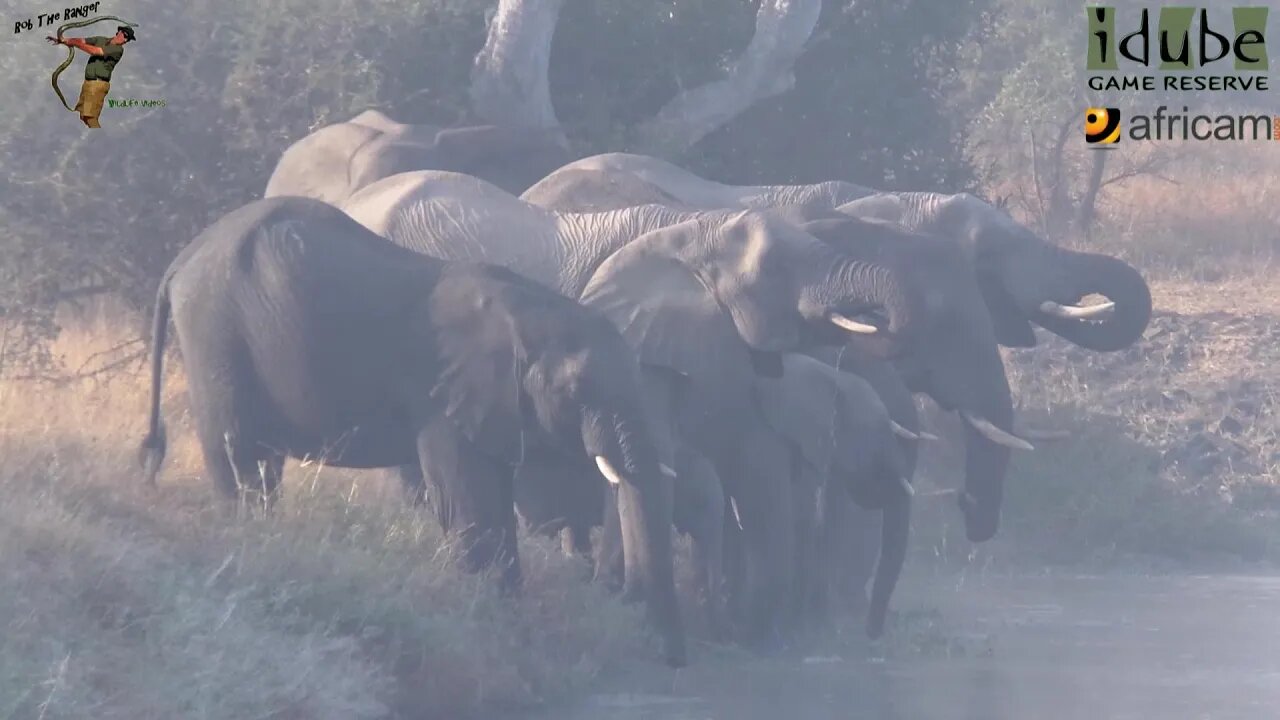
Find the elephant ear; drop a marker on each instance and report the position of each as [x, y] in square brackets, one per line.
[747, 260]
[801, 407]
[481, 359]
[674, 322]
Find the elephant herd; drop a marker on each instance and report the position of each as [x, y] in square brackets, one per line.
[623, 345]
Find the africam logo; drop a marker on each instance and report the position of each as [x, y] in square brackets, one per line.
[1175, 50]
[1103, 128]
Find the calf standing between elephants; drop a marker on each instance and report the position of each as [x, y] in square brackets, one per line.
[304, 334]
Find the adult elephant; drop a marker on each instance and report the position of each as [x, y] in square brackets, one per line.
[683, 316]
[305, 334]
[953, 354]
[614, 180]
[1024, 279]
[785, 290]
[337, 160]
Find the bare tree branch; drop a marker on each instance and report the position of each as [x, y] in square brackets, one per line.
[763, 70]
[509, 81]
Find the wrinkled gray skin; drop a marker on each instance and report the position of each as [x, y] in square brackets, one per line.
[337, 160]
[848, 535]
[304, 334]
[615, 180]
[738, 289]
[779, 286]
[1019, 272]
[839, 436]
[951, 355]
[955, 357]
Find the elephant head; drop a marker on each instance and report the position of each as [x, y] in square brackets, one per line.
[1025, 279]
[951, 353]
[525, 370]
[843, 431]
[719, 297]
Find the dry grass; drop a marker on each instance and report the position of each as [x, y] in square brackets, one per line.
[116, 602]
[120, 603]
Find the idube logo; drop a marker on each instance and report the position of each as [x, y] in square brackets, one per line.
[1183, 39]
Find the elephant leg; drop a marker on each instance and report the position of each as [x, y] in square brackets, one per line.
[229, 422]
[853, 538]
[575, 541]
[413, 485]
[476, 501]
[807, 570]
[699, 511]
[609, 560]
[764, 502]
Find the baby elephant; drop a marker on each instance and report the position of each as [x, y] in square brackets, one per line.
[845, 446]
[304, 335]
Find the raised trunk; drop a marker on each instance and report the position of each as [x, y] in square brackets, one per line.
[853, 266]
[1120, 283]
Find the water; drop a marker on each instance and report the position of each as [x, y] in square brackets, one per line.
[1005, 648]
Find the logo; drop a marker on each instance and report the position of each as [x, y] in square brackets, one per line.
[1183, 39]
[1102, 126]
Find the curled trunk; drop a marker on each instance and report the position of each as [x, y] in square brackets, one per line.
[1120, 283]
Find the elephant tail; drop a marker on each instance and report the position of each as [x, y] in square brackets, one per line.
[151, 453]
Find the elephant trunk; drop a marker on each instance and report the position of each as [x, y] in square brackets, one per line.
[627, 457]
[875, 315]
[895, 528]
[971, 380]
[1119, 282]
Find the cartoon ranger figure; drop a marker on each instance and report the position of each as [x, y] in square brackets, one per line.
[104, 53]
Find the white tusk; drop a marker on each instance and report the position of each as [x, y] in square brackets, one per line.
[733, 505]
[853, 326]
[903, 432]
[927, 436]
[666, 470]
[607, 470]
[906, 485]
[995, 434]
[947, 492]
[1076, 312]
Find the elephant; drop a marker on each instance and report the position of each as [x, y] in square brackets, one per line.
[809, 291]
[1025, 279]
[337, 160]
[611, 181]
[842, 441]
[305, 334]
[705, 302]
[952, 355]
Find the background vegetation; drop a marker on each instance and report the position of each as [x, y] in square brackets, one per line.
[344, 606]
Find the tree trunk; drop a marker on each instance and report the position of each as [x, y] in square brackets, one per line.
[509, 81]
[763, 70]
[1089, 201]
